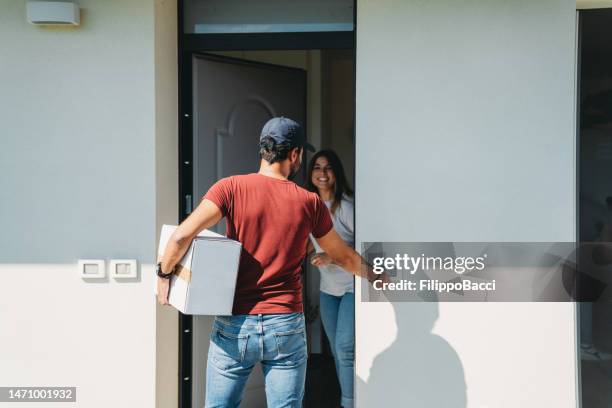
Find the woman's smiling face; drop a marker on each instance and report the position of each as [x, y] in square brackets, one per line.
[323, 176]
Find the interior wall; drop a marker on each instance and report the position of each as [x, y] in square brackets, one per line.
[466, 132]
[82, 116]
[338, 107]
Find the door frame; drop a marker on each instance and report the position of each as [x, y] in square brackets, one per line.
[188, 46]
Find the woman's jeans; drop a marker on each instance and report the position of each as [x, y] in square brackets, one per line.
[338, 317]
[237, 343]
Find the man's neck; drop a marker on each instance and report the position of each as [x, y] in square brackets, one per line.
[275, 170]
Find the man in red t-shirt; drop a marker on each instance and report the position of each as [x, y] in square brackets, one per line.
[272, 217]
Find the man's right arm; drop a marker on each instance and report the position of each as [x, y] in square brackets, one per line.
[204, 216]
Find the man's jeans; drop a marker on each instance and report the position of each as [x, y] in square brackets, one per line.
[237, 343]
[338, 317]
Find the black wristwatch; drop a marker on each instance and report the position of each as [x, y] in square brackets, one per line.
[162, 275]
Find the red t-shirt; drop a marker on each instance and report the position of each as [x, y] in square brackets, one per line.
[272, 219]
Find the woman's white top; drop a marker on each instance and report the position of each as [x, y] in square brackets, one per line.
[335, 280]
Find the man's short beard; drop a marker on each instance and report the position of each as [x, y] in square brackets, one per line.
[294, 172]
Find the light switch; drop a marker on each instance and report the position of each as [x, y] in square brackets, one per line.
[123, 268]
[92, 268]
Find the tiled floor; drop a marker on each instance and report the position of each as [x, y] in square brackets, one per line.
[597, 375]
[322, 388]
[596, 384]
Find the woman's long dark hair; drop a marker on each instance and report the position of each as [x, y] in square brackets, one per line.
[341, 185]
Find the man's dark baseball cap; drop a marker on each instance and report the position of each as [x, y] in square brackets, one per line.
[284, 130]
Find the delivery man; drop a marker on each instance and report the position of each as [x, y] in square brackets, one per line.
[272, 217]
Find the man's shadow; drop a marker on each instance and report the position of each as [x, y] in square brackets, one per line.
[419, 369]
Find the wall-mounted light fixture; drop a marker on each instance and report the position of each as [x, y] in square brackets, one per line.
[53, 13]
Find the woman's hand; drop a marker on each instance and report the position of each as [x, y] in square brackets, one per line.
[163, 288]
[321, 260]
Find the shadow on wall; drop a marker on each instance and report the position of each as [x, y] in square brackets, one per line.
[419, 369]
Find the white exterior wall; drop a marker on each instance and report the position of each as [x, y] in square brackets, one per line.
[470, 86]
[466, 132]
[87, 170]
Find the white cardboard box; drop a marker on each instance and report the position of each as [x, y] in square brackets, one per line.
[206, 278]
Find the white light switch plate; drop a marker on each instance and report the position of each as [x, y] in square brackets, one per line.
[92, 268]
[124, 268]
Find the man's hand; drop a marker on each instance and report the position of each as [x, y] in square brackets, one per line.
[320, 260]
[163, 288]
[383, 277]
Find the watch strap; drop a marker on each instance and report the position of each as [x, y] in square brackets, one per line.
[161, 274]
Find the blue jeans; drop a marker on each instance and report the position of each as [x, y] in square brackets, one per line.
[338, 317]
[237, 343]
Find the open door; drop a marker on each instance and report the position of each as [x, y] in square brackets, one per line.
[232, 99]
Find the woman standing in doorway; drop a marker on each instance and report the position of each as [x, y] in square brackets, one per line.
[326, 178]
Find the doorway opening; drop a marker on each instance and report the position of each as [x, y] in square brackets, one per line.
[309, 76]
[595, 202]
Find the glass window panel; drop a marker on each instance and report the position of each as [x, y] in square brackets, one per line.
[267, 16]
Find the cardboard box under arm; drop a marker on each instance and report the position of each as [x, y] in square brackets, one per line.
[205, 281]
